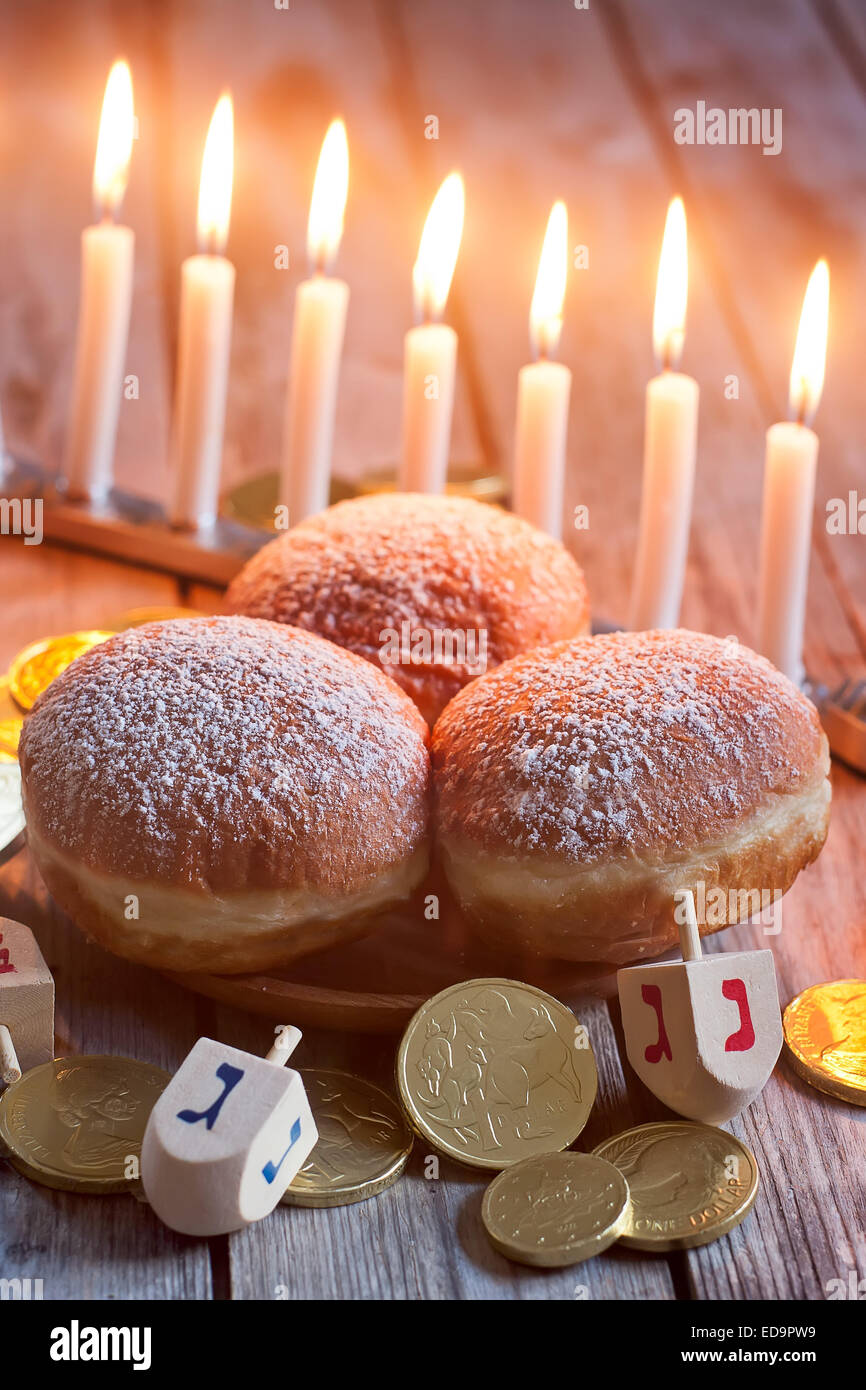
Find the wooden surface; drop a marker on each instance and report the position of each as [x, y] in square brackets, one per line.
[535, 100]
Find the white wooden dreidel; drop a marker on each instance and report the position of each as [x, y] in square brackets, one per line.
[26, 1003]
[703, 1033]
[226, 1137]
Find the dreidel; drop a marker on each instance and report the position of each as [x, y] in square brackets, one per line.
[26, 1003]
[226, 1137]
[703, 1033]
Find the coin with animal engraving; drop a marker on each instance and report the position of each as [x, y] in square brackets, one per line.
[556, 1209]
[494, 1071]
[689, 1183]
[363, 1146]
[38, 665]
[825, 1038]
[77, 1123]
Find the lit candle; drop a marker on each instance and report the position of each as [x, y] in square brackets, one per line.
[789, 491]
[317, 341]
[107, 253]
[430, 355]
[670, 443]
[543, 391]
[204, 340]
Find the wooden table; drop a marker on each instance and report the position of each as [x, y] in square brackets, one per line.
[534, 101]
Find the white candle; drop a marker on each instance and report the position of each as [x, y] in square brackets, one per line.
[107, 254]
[317, 341]
[670, 445]
[204, 340]
[789, 491]
[543, 391]
[430, 351]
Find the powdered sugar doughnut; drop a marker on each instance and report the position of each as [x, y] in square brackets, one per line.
[224, 794]
[433, 590]
[578, 786]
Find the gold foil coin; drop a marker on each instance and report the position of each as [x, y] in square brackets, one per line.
[556, 1209]
[363, 1146]
[77, 1123]
[689, 1183]
[494, 1071]
[10, 733]
[38, 665]
[825, 1038]
[11, 724]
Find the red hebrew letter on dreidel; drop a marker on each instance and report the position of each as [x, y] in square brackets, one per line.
[652, 995]
[6, 966]
[744, 1038]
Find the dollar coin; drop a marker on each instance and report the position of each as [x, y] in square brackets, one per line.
[689, 1183]
[363, 1146]
[38, 665]
[494, 1071]
[825, 1038]
[556, 1209]
[11, 809]
[77, 1123]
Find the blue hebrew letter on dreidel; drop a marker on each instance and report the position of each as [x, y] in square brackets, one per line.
[229, 1076]
[271, 1169]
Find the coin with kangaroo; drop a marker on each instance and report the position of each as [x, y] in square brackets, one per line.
[494, 1071]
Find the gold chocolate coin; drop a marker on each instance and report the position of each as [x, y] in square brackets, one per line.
[10, 733]
[77, 1123]
[494, 1071]
[363, 1146]
[825, 1038]
[10, 724]
[556, 1209]
[38, 665]
[689, 1183]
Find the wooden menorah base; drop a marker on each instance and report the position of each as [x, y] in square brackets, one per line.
[127, 528]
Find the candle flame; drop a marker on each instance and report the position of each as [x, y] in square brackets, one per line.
[114, 144]
[545, 315]
[672, 288]
[331, 186]
[437, 254]
[215, 189]
[810, 352]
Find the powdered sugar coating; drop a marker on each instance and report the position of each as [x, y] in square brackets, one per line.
[619, 746]
[434, 563]
[227, 753]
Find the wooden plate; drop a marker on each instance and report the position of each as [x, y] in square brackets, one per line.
[375, 985]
